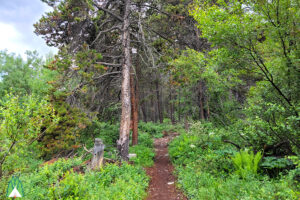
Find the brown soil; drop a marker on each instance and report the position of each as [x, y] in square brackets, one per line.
[162, 183]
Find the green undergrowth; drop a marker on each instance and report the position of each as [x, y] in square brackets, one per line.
[207, 168]
[157, 129]
[144, 151]
[109, 133]
[59, 181]
[63, 180]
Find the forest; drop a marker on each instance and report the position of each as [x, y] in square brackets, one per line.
[155, 100]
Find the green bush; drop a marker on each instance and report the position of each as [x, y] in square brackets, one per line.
[274, 165]
[205, 169]
[184, 149]
[200, 185]
[58, 181]
[157, 129]
[70, 187]
[144, 155]
[145, 139]
[36, 184]
[109, 133]
[111, 183]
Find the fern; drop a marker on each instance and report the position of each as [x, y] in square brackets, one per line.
[246, 163]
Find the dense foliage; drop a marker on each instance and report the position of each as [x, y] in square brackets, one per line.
[228, 70]
[207, 168]
[59, 181]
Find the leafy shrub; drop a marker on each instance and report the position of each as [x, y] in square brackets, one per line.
[144, 155]
[200, 185]
[37, 183]
[246, 163]
[21, 124]
[58, 181]
[206, 171]
[111, 183]
[157, 129]
[146, 140]
[273, 165]
[70, 187]
[184, 148]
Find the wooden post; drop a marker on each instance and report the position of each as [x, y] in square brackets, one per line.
[98, 152]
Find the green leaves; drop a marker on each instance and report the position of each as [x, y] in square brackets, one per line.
[24, 77]
[207, 170]
[246, 163]
[21, 122]
[187, 68]
[144, 155]
[23, 118]
[256, 40]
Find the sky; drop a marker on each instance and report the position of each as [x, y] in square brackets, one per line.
[16, 26]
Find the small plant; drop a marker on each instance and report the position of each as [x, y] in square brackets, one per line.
[144, 155]
[246, 163]
[273, 165]
[184, 149]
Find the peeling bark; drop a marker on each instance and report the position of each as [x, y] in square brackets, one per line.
[134, 111]
[123, 142]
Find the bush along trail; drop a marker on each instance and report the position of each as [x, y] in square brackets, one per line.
[209, 168]
[162, 183]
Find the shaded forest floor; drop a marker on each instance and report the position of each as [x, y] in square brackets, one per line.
[162, 183]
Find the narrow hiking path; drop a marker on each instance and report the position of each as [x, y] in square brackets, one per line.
[162, 183]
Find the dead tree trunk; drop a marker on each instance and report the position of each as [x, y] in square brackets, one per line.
[134, 111]
[207, 105]
[171, 104]
[179, 105]
[159, 106]
[201, 107]
[98, 152]
[123, 142]
[143, 105]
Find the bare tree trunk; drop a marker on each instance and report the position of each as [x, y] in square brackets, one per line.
[179, 105]
[123, 142]
[159, 106]
[143, 105]
[154, 114]
[186, 123]
[171, 107]
[207, 105]
[134, 111]
[201, 101]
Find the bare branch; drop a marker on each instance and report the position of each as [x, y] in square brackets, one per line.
[109, 12]
[109, 64]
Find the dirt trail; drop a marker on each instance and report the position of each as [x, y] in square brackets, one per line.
[162, 183]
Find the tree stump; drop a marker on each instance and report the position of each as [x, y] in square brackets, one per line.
[98, 152]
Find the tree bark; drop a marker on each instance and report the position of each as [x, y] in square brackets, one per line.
[159, 106]
[201, 101]
[123, 142]
[98, 153]
[207, 105]
[179, 105]
[171, 104]
[154, 111]
[134, 111]
[143, 105]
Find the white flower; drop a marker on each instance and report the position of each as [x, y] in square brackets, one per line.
[192, 146]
